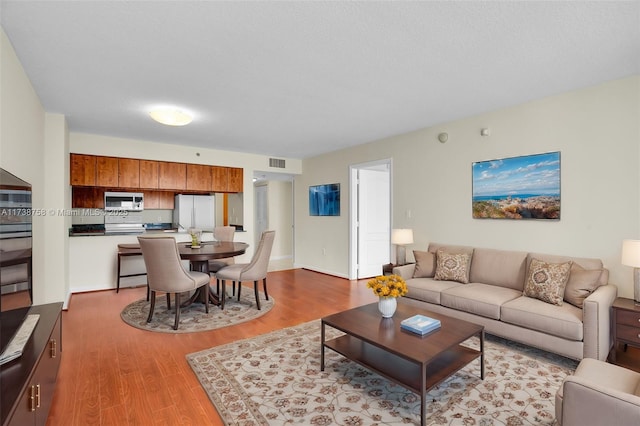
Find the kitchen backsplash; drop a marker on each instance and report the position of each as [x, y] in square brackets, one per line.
[96, 216]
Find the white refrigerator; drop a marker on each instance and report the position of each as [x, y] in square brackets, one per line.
[194, 211]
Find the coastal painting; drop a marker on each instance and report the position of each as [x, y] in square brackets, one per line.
[526, 187]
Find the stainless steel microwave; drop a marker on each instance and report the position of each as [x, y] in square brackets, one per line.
[124, 201]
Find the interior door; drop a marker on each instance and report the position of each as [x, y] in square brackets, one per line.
[373, 221]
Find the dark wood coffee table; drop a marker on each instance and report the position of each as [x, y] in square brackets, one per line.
[413, 361]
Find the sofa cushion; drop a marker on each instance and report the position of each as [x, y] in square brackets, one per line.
[452, 266]
[428, 289]
[563, 321]
[546, 281]
[585, 262]
[498, 267]
[479, 299]
[425, 264]
[582, 282]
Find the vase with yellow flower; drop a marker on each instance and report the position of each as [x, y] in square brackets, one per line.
[388, 288]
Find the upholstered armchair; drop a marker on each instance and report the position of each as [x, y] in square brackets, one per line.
[597, 394]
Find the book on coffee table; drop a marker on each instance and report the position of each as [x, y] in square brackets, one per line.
[420, 324]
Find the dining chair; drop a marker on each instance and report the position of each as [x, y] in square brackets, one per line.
[165, 273]
[222, 233]
[253, 271]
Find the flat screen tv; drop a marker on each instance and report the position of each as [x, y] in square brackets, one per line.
[324, 200]
[16, 293]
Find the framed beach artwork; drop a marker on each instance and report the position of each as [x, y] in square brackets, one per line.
[324, 200]
[526, 187]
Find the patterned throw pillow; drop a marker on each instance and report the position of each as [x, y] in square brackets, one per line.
[425, 264]
[546, 281]
[452, 266]
[582, 282]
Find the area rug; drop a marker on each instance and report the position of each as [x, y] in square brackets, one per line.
[194, 318]
[275, 379]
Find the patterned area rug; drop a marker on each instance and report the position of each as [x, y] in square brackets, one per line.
[275, 379]
[193, 318]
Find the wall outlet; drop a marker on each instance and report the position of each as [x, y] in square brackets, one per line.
[324, 252]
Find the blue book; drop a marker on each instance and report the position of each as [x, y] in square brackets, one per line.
[420, 324]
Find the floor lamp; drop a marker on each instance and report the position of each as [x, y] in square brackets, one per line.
[631, 257]
[401, 237]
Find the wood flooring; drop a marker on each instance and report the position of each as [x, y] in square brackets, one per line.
[115, 374]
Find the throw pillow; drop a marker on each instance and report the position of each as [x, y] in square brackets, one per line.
[546, 281]
[582, 282]
[425, 264]
[452, 266]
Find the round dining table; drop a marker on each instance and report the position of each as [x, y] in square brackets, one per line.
[199, 259]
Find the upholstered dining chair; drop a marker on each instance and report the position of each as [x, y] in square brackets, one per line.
[165, 273]
[222, 233]
[255, 270]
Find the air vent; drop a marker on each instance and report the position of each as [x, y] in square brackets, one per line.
[276, 162]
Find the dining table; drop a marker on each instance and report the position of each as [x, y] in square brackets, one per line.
[199, 258]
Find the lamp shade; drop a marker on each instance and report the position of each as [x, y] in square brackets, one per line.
[401, 236]
[631, 253]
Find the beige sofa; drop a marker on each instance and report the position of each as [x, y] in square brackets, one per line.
[494, 296]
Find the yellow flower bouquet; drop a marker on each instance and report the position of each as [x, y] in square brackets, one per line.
[388, 286]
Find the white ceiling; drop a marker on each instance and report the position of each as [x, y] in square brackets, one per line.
[296, 79]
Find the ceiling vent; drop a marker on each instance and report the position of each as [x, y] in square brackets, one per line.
[276, 162]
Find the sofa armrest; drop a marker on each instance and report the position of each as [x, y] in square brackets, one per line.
[588, 403]
[596, 319]
[405, 271]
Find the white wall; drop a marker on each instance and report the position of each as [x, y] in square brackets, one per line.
[597, 131]
[31, 145]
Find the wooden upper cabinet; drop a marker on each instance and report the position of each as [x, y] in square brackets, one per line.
[107, 171]
[198, 177]
[128, 173]
[87, 198]
[83, 170]
[220, 178]
[236, 180]
[148, 174]
[172, 175]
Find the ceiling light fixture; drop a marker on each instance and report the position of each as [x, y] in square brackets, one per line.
[171, 116]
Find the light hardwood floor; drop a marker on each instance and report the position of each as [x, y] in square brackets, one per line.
[114, 374]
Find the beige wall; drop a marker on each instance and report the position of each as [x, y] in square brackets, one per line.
[32, 145]
[597, 131]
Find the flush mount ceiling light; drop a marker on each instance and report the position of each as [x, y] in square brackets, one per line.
[171, 116]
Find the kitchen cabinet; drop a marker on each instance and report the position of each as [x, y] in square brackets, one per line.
[87, 197]
[154, 200]
[236, 180]
[220, 178]
[128, 173]
[28, 383]
[148, 174]
[107, 171]
[83, 170]
[198, 177]
[172, 175]
[227, 179]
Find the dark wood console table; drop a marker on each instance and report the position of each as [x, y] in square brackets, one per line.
[27, 383]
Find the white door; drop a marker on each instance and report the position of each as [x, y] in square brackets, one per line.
[373, 221]
[262, 215]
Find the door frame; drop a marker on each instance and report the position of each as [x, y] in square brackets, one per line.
[353, 209]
